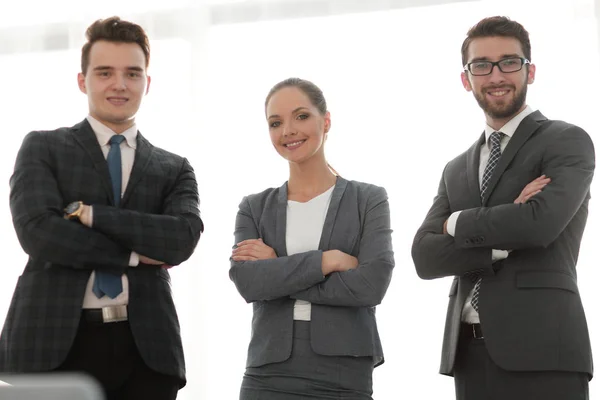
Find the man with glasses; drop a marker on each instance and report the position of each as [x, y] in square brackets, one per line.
[507, 223]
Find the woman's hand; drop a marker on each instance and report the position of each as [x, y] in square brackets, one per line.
[252, 250]
[337, 261]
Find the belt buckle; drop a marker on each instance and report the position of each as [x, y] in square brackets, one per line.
[475, 332]
[114, 314]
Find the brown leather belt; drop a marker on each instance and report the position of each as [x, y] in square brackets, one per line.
[104, 315]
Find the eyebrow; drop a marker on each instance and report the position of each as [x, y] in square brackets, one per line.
[504, 56]
[106, 67]
[294, 111]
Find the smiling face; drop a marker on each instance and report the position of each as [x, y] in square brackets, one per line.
[298, 130]
[115, 83]
[500, 95]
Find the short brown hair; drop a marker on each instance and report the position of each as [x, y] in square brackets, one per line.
[114, 29]
[497, 26]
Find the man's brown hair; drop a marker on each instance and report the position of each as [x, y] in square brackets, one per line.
[114, 29]
[497, 26]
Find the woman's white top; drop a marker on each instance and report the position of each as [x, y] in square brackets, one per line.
[303, 233]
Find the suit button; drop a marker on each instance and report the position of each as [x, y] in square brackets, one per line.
[481, 239]
[467, 241]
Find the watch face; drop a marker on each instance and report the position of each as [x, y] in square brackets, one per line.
[72, 207]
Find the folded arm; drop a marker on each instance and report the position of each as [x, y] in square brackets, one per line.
[36, 206]
[367, 284]
[267, 279]
[170, 236]
[569, 161]
[435, 253]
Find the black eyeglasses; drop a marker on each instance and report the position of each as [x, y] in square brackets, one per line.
[513, 64]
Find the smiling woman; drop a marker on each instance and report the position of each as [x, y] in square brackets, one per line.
[314, 254]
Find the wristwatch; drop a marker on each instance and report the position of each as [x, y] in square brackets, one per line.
[73, 210]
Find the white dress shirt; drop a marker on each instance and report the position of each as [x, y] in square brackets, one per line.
[304, 226]
[469, 315]
[128, 146]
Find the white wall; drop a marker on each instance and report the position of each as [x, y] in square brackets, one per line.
[399, 114]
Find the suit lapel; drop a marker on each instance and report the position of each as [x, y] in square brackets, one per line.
[281, 217]
[143, 154]
[526, 128]
[85, 136]
[281, 221]
[473, 156]
[334, 206]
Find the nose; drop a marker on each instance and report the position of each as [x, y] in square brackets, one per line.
[496, 76]
[288, 129]
[119, 82]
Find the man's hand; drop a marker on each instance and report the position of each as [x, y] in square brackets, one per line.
[532, 188]
[337, 261]
[252, 250]
[86, 216]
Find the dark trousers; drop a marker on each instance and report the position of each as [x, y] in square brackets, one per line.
[476, 377]
[108, 353]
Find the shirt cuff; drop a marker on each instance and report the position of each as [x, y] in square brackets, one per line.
[134, 259]
[91, 216]
[451, 224]
[498, 255]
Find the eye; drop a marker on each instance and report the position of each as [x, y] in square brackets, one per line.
[103, 73]
[302, 116]
[480, 65]
[134, 74]
[274, 124]
[510, 61]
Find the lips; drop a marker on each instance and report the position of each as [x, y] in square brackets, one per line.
[117, 101]
[498, 92]
[294, 145]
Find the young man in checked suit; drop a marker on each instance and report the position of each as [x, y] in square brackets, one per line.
[507, 223]
[102, 214]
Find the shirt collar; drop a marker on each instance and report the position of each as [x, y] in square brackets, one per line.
[104, 133]
[511, 126]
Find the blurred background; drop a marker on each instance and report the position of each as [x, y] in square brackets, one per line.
[390, 70]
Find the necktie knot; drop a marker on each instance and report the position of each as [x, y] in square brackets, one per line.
[496, 138]
[116, 139]
[495, 153]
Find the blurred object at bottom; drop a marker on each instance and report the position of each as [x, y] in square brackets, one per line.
[50, 386]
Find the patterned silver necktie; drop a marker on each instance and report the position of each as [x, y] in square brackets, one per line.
[495, 153]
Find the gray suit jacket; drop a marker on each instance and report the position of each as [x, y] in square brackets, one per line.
[529, 305]
[158, 217]
[343, 303]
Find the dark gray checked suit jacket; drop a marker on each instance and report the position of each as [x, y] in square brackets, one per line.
[529, 304]
[343, 303]
[158, 217]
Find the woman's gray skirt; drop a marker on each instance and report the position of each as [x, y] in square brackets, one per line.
[307, 375]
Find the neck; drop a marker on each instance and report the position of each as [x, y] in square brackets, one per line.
[310, 178]
[116, 127]
[498, 123]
